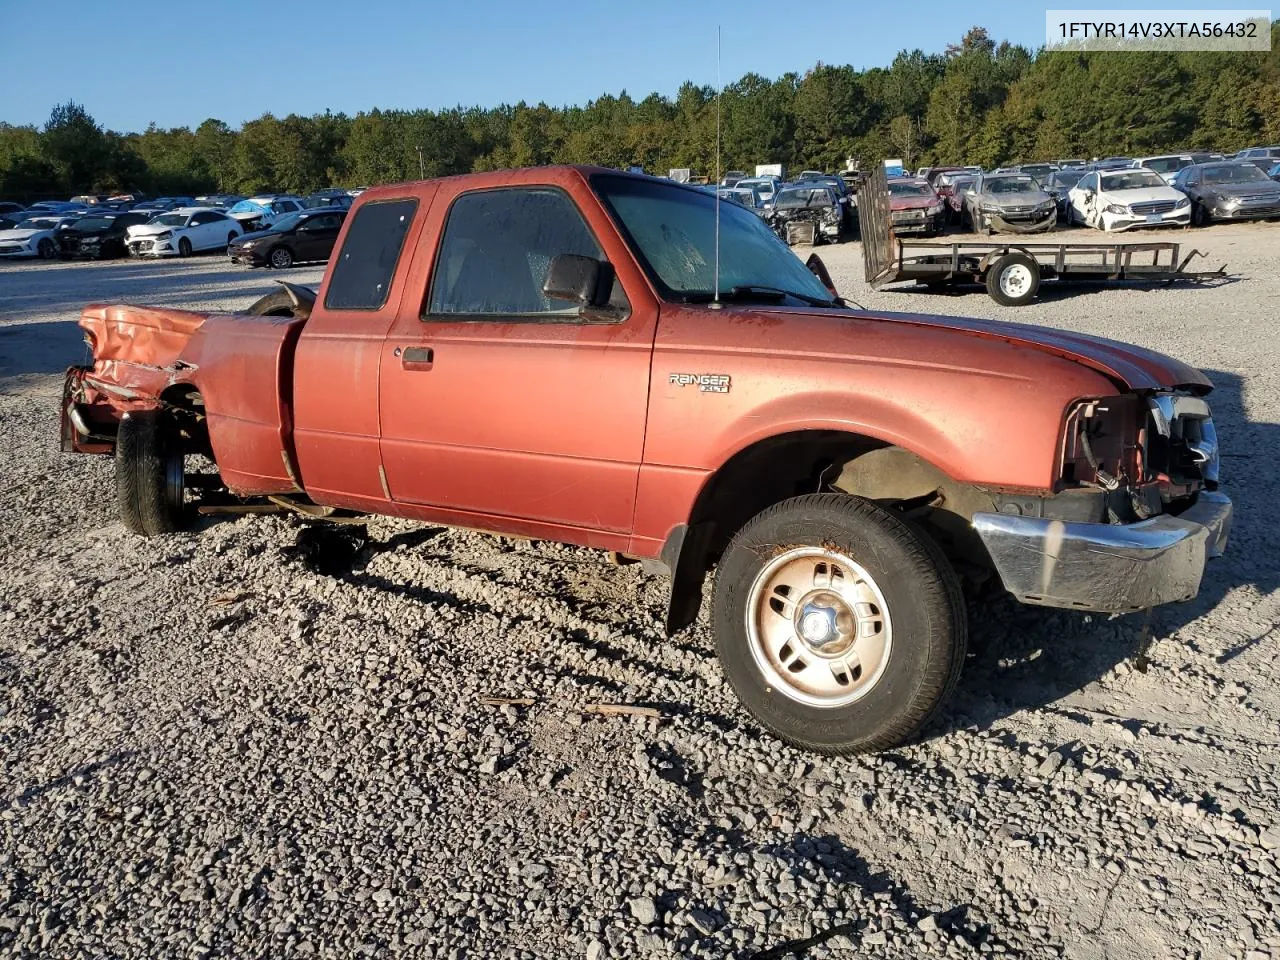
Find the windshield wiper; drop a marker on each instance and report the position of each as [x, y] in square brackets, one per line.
[754, 291]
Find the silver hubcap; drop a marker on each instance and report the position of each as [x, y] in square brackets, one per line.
[280, 259]
[1015, 281]
[818, 627]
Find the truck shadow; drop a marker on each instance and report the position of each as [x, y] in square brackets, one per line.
[1025, 657]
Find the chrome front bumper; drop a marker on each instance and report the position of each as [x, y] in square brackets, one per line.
[1110, 568]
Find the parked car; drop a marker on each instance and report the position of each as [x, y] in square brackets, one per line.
[1124, 199]
[329, 198]
[162, 205]
[1059, 185]
[1111, 163]
[1166, 165]
[744, 196]
[294, 238]
[1010, 201]
[915, 207]
[219, 201]
[1231, 190]
[182, 232]
[1251, 153]
[7, 208]
[809, 175]
[732, 177]
[257, 213]
[961, 184]
[418, 387]
[1274, 172]
[932, 173]
[33, 237]
[1070, 163]
[100, 234]
[765, 187]
[1040, 171]
[810, 201]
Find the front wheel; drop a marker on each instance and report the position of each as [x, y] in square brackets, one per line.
[838, 625]
[46, 249]
[184, 247]
[150, 474]
[281, 258]
[1199, 215]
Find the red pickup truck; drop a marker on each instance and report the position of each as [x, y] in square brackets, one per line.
[554, 353]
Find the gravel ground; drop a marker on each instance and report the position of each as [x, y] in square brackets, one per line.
[243, 743]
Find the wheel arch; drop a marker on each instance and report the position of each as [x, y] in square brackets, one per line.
[791, 463]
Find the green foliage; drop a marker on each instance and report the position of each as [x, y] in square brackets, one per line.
[978, 101]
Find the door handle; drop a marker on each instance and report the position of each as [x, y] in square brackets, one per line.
[416, 358]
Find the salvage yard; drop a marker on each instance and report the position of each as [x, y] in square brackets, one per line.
[261, 740]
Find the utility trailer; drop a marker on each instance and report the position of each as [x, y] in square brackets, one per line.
[1010, 269]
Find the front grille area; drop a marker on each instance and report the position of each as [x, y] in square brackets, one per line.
[1153, 206]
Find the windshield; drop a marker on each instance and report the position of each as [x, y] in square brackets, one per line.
[171, 219]
[248, 206]
[904, 188]
[1010, 185]
[1233, 173]
[672, 231]
[1137, 180]
[286, 223]
[803, 197]
[1167, 164]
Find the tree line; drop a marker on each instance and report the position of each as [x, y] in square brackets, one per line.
[978, 101]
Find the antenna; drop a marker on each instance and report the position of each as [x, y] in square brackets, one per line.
[715, 298]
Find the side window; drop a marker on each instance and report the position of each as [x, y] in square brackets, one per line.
[200, 218]
[326, 222]
[366, 265]
[497, 248]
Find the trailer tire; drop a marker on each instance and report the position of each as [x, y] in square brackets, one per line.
[150, 484]
[1013, 280]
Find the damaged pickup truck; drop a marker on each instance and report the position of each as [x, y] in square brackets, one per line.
[543, 353]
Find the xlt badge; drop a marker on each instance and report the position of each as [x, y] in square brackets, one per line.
[707, 382]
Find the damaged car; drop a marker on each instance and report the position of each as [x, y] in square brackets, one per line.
[1125, 199]
[1012, 202]
[809, 212]
[1232, 190]
[915, 207]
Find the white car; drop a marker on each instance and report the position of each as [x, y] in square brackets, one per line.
[182, 232]
[1167, 165]
[1123, 199]
[34, 238]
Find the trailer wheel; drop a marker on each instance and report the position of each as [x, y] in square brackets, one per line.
[150, 477]
[1013, 280]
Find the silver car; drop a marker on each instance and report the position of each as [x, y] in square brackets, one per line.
[1013, 202]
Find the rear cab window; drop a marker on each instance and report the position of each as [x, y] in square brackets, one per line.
[366, 265]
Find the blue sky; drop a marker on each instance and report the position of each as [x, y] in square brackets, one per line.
[178, 62]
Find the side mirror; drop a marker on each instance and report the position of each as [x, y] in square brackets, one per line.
[582, 280]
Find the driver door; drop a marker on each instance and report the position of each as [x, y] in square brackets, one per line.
[501, 408]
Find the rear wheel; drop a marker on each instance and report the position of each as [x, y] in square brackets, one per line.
[281, 258]
[184, 247]
[150, 474]
[1013, 280]
[838, 625]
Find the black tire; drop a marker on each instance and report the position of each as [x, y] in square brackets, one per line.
[925, 607]
[1030, 280]
[1199, 215]
[149, 474]
[184, 247]
[46, 249]
[281, 258]
[277, 304]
